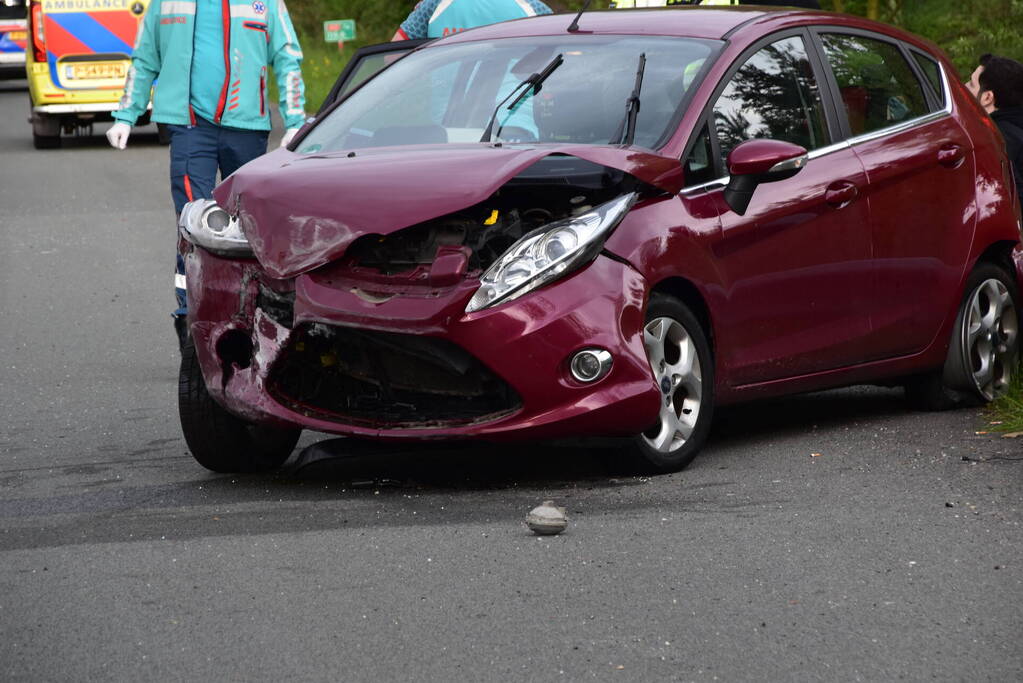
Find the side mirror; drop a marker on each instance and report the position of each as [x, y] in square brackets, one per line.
[759, 161]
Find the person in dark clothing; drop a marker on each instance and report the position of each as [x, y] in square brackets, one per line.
[998, 85]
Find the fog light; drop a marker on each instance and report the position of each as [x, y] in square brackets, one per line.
[589, 365]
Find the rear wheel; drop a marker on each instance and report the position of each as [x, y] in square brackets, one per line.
[683, 370]
[218, 440]
[45, 131]
[984, 350]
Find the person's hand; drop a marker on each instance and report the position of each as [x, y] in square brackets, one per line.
[289, 135]
[118, 135]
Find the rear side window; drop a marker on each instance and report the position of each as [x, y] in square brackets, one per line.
[933, 73]
[877, 85]
[773, 95]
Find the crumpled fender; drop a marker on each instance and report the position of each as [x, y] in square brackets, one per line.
[302, 211]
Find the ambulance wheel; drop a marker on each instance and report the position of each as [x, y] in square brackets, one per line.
[45, 141]
[45, 132]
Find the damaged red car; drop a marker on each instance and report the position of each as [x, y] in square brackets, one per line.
[534, 230]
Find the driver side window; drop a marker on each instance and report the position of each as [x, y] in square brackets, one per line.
[773, 95]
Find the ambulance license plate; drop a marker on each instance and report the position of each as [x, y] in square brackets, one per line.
[96, 70]
[17, 35]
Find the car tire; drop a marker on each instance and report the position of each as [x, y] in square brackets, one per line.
[45, 131]
[983, 352]
[683, 368]
[218, 440]
[163, 134]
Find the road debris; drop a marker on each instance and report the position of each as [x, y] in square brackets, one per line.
[546, 519]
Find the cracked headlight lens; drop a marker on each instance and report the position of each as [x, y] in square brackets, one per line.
[207, 224]
[549, 253]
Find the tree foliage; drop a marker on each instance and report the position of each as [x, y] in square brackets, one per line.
[965, 29]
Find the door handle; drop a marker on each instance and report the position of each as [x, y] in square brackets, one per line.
[951, 155]
[841, 193]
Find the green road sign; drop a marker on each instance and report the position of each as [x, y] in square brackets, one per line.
[339, 30]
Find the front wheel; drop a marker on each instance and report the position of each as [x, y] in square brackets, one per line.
[984, 350]
[683, 370]
[218, 440]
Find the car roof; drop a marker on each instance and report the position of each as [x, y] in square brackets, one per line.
[686, 21]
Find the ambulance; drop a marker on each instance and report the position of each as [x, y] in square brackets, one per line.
[13, 35]
[78, 55]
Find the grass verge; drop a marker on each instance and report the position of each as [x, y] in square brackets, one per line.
[1008, 410]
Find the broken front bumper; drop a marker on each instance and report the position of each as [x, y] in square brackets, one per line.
[327, 353]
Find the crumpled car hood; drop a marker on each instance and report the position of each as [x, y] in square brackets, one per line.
[300, 212]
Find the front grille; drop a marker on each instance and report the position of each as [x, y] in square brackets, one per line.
[386, 380]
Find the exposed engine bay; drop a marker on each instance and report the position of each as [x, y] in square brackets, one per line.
[555, 188]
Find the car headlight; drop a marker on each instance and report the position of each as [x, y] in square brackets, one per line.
[206, 223]
[549, 253]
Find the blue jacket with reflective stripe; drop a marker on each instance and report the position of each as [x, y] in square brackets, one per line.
[437, 18]
[260, 35]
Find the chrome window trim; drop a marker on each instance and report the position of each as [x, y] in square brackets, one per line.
[898, 128]
[947, 88]
[830, 149]
[723, 180]
[704, 187]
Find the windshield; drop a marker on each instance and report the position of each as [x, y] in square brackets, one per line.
[452, 93]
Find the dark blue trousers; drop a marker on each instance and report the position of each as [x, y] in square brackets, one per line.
[196, 154]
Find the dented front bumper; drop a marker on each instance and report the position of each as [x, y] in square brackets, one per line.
[321, 352]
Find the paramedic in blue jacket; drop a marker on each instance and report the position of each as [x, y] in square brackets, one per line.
[439, 18]
[209, 60]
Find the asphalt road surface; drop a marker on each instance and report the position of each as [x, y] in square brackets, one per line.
[834, 536]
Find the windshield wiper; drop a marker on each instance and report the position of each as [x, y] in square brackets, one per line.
[627, 128]
[534, 82]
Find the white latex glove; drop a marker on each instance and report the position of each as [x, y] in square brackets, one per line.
[118, 135]
[288, 136]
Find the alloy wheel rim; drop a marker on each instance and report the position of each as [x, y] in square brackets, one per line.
[990, 338]
[676, 372]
